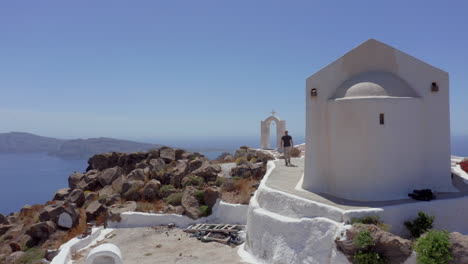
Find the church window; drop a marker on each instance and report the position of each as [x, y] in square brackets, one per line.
[434, 87]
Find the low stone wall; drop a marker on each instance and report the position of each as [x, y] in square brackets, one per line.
[74, 245]
[225, 213]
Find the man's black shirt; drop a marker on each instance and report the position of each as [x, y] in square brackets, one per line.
[287, 140]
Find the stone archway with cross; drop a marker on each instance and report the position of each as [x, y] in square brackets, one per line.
[265, 131]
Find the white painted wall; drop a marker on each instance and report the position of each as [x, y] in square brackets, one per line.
[370, 161]
[348, 152]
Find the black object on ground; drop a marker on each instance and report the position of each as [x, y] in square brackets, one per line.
[422, 195]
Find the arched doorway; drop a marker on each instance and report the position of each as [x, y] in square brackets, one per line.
[265, 131]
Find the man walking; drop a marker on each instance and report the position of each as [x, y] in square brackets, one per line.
[287, 143]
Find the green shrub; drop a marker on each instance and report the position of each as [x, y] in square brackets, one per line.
[174, 199]
[205, 210]
[165, 189]
[31, 256]
[200, 196]
[194, 181]
[370, 220]
[240, 160]
[253, 160]
[236, 178]
[219, 181]
[368, 258]
[364, 239]
[420, 225]
[434, 248]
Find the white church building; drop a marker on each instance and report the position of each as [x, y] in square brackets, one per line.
[377, 126]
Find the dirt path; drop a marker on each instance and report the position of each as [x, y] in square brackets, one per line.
[163, 245]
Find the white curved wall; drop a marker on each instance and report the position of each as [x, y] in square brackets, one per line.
[370, 161]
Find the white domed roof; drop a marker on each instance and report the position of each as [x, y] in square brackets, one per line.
[365, 89]
[374, 84]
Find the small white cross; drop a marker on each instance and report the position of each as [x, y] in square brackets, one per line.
[273, 113]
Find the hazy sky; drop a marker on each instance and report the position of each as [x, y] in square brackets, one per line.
[189, 69]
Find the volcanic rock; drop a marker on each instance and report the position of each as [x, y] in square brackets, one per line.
[208, 171]
[74, 179]
[114, 211]
[3, 220]
[131, 190]
[211, 195]
[190, 203]
[109, 175]
[167, 154]
[392, 247]
[93, 210]
[77, 197]
[179, 173]
[41, 231]
[61, 194]
[150, 191]
[137, 175]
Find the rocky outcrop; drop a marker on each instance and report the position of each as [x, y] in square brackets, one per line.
[3, 220]
[155, 168]
[104, 161]
[195, 164]
[40, 232]
[68, 218]
[150, 191]
[208, 171]
[74, 179]
[179, 173]
[250, 153]
[137, 175]
[77, 197]
[93, 210]
[61, 194]
[114, 211]
[52, 211]
[190, 204]
[394, 248]
[167, 154]
[131, 190]
[63, 214]
[459, 248]
[211, 195]
[4, 228]
[129, 161]
[109, 175]
[247, 169]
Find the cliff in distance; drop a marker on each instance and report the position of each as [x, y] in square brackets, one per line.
[20, 142]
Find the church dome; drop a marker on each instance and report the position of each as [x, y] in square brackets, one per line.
[365, 89]
[374, 84]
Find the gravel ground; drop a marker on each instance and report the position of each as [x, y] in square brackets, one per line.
[163, 245]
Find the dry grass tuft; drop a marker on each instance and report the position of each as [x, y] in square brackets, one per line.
[101, 219]
[155, 206]
[240, 192]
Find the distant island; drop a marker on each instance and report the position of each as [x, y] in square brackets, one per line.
[21, 142]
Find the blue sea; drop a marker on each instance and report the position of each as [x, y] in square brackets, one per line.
[34, 178]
